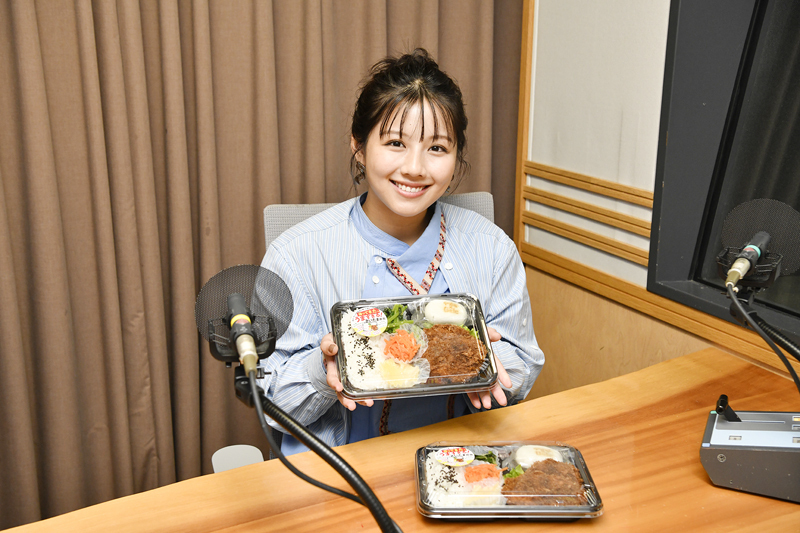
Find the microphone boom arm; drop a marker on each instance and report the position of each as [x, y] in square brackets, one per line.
[253, 396]
[237, 335]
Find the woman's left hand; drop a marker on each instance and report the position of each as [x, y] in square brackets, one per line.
[484, 398]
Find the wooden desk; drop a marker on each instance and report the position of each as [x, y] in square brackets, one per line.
[640, 435]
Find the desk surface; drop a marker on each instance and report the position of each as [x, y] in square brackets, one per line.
[639, 434]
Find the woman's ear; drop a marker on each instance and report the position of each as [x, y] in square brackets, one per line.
[357, 154]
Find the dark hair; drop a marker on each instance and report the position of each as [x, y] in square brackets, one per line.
[410, 79]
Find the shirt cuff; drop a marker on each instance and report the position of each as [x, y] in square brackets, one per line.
[317, 375]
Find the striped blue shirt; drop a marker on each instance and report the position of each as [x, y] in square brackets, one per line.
[340, 255]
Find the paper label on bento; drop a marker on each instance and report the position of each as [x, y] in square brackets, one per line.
[369, 322]
[455, 456]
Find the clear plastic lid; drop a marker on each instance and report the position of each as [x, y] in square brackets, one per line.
[529, 480]
[412, 346]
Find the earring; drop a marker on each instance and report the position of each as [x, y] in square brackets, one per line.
[449, 185]
[361, 172]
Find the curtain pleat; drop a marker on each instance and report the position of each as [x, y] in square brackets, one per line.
[470, 62]
[505, 106]
[18, 460]
[300, 100]
[179, 278]
[133, 209]
[414, 25]
[45, 296]
[139, 143]
[101, 289]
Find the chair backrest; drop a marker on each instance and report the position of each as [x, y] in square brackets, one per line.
[235, 456]
[280, 217]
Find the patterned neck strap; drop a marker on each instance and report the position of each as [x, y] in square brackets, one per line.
[411, 284]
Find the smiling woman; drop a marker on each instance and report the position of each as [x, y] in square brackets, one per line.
[406, 170]
[408, 137]
[407, 140]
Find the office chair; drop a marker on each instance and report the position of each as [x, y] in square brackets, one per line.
[235, 456]
[280, 217]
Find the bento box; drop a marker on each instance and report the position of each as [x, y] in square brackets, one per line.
[523, 480]
[412, 346]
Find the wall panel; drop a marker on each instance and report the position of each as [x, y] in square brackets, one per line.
[590, 100]
[591, 137]
[587, 338]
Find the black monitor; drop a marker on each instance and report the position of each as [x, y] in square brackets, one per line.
[729, 134]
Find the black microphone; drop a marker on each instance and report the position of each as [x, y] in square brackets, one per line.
[777, 225]
[746, 259]
[241, 324]
[257, 308]
[241, 312]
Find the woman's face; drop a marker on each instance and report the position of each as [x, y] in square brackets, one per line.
[407, 172]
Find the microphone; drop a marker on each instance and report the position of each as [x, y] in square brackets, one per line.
[242, 311]
[777, 226]
[240, 323]
[746, 259]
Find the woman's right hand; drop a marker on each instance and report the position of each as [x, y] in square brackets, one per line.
[329, 351]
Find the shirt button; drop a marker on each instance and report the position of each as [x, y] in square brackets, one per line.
[378, 260]
[375, 279]
[524, 321]
[448, 266]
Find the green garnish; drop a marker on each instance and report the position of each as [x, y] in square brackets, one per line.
[516, 472]
[471, 331]
[395, 317]
[488, 458]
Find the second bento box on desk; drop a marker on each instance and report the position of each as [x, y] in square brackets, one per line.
[494, 480]
[412, 346]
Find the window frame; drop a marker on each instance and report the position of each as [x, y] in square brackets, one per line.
[704, 73]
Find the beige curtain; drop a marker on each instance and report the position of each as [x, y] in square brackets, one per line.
[139, 142]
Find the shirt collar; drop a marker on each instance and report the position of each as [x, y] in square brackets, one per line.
[423, 249]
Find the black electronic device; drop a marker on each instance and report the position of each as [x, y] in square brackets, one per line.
[756, 451]
[758, 454]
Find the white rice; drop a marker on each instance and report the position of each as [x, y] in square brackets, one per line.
[364, 355]
[447, 487]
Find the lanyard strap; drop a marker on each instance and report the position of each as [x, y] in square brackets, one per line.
[406, 279]
[416, 289]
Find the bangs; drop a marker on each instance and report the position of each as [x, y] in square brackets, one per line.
[396, 85]
[415, 94]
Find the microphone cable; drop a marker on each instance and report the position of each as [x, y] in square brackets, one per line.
[757, 328]
[366, 496]
[780, 339]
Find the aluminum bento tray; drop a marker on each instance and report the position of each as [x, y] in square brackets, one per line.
[377, 339]
[464, 482]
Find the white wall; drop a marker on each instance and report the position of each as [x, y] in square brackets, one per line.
[595, 105]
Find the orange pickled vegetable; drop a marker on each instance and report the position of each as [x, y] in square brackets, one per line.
[481, 472]
[402, 346]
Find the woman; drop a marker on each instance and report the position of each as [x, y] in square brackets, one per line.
[408, 140]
